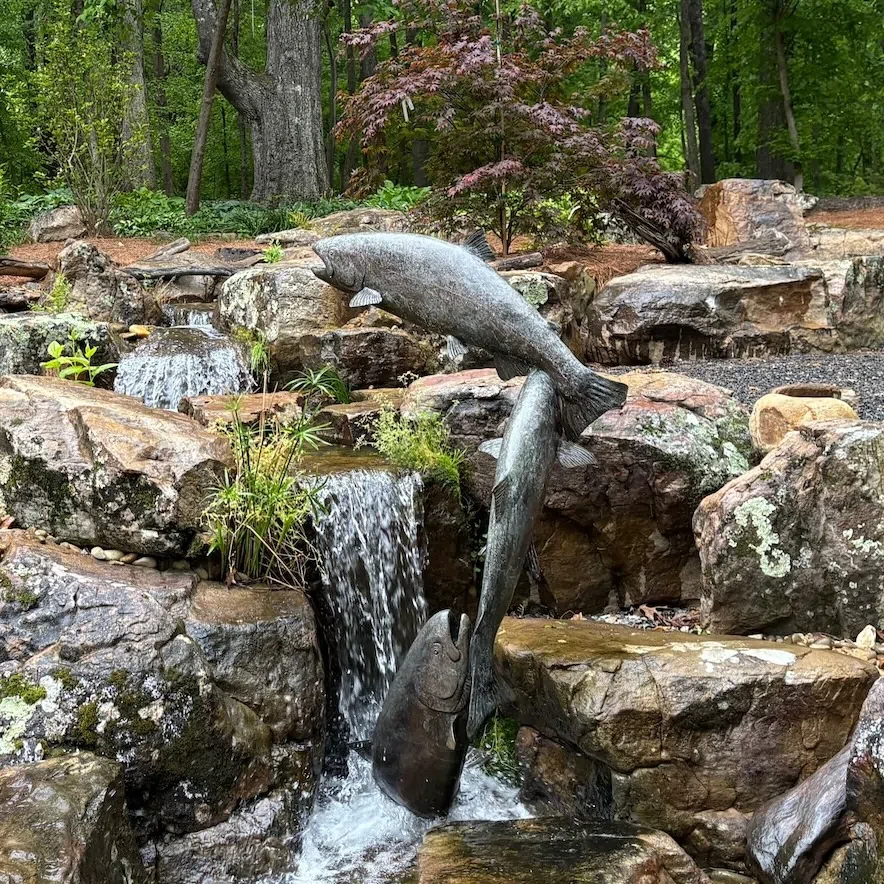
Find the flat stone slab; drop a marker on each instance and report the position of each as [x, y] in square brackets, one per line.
[697, 731]
[553, 849]
[212, 411]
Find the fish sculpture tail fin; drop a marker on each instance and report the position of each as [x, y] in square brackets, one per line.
[593, 397]
[484, 695]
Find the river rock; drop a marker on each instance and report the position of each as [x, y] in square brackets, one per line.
[353, 423]
[213, 698]
[283, 303]
[853, 863]
[698, 732]
[739, 210]
[99, 469]
[249, 409]
[795, 545]
[775, 414]
[704, 311]
[100, 290]
[25, 338]
[552, 849]
[57, 225]
[367, 357]
[474, 403]
[624, 525]
[65, 820]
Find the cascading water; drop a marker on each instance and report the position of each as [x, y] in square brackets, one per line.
[196, 314]
[177, 362]
[371, 567]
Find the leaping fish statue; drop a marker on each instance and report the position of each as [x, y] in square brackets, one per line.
[420, 740]
[451, 290]
[531, 443]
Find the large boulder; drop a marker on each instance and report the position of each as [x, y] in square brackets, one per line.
[212, 698]
[702, 311]
[552, 849]
[698, 732]
[856, 300]
[739, 210]
[797, 543]
[25, 339]
[844, 242]
[99, 289]
[64, 820]
[365, 220]
[94, 467]
[57, 225]
[776, 414]
[624, 525]
[283, 303]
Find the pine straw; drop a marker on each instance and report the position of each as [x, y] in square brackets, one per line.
[605, 262]
[856, 219]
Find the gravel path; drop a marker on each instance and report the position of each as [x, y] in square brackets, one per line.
[751, 378]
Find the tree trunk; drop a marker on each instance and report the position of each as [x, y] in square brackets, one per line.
[137, 152]
[242, 127]
[213, 70]
[770, 162]
[694, 9]
[159, 72]
[348, 161]
[332, 104]
[783, 69]
[691, 149]
[283, 105]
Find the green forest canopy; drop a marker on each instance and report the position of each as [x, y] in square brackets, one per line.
[99, 66]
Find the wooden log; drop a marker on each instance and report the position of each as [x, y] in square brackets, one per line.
[166, 251]
[176, 272]
[15, 267]
[519, 262]
[18, 298]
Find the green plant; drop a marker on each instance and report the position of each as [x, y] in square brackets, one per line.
[498, 745]
[273, 253]
[419, 443]
[397, 196]
[325, 382]
[258, 351]
[58, 297]
[70, 361]
[257, 515]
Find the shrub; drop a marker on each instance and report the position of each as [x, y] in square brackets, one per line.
[419, 443]
[397, 196]
[324, 382]
[257, 515]
[273, 254]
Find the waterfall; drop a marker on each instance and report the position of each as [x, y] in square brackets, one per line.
[189, 314]
[372, 575]
[371, 568]
[177, 362]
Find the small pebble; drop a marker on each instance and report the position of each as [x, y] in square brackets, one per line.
[797, 638]
[868, 637]
[51, 538]
[65, 545]
[145, 562]
[140, 331]
[98, 553]
[821, 644]
[41, 533]
[129, 558]
[860, 653]
[756, 635]
[181, 565]
[113, 555]
[201, 572]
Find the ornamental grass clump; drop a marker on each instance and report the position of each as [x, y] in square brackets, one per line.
[258, 515]
[419, 442]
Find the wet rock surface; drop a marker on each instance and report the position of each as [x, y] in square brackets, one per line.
[25, 337]
[213, 698]
[65, 820]
[96, 468]
[250, 409]
[624, 525]
[796, 543]
[698, 732]
[556, 849]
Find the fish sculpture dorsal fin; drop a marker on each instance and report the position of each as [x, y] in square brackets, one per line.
[499, 496]
[478, 245]
[572, 455]
[365, 298]
[492, 447]
[508, 367]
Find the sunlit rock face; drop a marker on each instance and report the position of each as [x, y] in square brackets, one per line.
[67, 813]
[797, 543]
[94, 467]
[553, 849]
[697, 732]
[211, 698]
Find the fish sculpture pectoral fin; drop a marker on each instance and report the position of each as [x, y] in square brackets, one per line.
[365, 298]
[572, 455]
[492, 447]
[454, 348]
[508, 367]
[478, 245]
